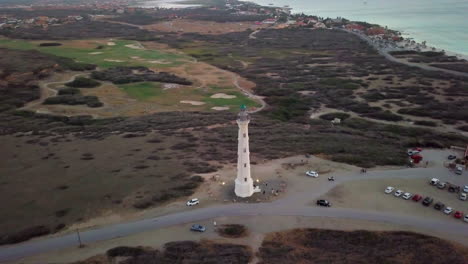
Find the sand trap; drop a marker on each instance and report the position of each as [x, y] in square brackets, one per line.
[159, 62]
[133, 46]
[110, 43]
[192, 102]
[95, 53]
[220, 108]
[170, 86]
[135, 57]
[113, 60]
[223, 96]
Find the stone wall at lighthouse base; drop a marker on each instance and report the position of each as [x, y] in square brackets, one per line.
[244, 188]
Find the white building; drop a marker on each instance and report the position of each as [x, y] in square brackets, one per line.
[243, 183]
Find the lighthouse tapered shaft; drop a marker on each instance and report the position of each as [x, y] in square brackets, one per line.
[243, 183]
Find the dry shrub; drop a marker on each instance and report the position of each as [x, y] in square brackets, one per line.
[332, 246]
[24, 235]
[232, 230]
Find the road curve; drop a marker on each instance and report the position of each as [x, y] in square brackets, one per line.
[125, 229]
[293, 204]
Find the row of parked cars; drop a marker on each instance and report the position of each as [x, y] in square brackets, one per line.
[451, 188]
[427, 201]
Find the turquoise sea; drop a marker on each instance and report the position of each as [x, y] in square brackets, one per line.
[442, 23]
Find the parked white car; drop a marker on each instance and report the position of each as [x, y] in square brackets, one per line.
[398, 193]
[193, 201]
[312, 174]
[465, 188]
[448, 210]
[465, 218]
[389, 189]
[434, 181]
[463, 196]
[407, 195]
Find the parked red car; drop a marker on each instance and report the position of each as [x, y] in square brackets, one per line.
[417, 197]
[458, 214]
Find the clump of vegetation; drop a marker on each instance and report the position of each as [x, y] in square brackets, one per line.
[385, 115]
[332, 246]
[232, 230]
[83, 82]
[124, 251]
[50, 44]
[69, 91]
[123, 75]
[182, 252]
[331, 116]
[463, 128]
[425, 123]
[24, 235]
[89, 100]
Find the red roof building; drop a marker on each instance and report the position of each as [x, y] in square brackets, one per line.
[376, 31]
[355, 27]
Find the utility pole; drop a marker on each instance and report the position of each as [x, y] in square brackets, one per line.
[79, 238]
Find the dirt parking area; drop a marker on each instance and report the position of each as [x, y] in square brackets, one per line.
[370, 195]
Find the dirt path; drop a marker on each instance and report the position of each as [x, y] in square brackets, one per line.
[442, 129]
[252, 35]
[46, 92]
[235, 79]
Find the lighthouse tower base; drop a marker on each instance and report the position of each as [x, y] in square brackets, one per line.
[244, 188]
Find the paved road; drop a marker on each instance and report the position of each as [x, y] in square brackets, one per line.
[291, 205]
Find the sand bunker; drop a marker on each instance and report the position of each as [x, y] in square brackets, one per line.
[159, 62]
[223, 96]
[110, 43]
[95, 53]
[113, 60]
[170, 86]
[192, 102]
[133, 46]
[220, 108]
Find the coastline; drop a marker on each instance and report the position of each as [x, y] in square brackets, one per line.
[351, 14]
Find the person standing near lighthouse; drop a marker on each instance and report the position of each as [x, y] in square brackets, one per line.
[243, 183]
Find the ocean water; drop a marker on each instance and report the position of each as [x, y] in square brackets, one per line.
[442, 23]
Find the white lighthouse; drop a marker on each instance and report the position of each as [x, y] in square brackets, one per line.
[244, 183]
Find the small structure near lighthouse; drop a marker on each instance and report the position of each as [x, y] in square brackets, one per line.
[243, 184]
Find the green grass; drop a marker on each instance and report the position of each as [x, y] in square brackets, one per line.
[118, 52]
[233, 103]
[143, 90]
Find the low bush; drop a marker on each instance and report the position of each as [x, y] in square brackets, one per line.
[463, 128]
[385, 115]
[89, 100]
[425, 123]
[50, 44]
[62, 213]
[232, 230]
[124, 251]
[331, 116]
[72, 91]
[123, 75]
[24, 235]
[83, 82]
[143, 204]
